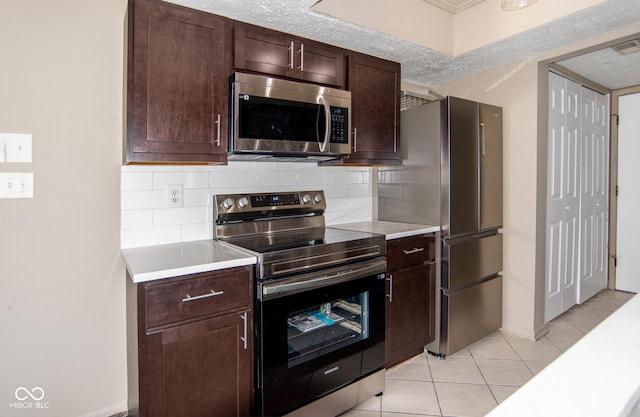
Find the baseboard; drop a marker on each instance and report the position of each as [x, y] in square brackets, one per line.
[536, 334]
[114, 410]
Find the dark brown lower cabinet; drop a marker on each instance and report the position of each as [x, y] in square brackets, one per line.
[198, 365]
[410, 313]
[411, 292]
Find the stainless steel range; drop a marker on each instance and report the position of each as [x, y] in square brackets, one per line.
[320, 297]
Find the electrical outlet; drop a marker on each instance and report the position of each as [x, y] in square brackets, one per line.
[16, 184]
[174, 195]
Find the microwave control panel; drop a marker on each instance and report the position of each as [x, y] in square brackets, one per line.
[339, 125]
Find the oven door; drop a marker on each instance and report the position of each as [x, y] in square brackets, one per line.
[313, 342]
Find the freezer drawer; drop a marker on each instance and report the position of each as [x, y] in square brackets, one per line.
[470, 314]
[465, 261]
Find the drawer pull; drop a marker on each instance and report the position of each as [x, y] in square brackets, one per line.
[200, 297]
[414, 250]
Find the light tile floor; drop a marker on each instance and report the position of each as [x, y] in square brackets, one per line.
[474, 380]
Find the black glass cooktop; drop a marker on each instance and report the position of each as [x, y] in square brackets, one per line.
[279, 241]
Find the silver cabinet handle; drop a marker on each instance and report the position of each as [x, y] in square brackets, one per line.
[390, 295]
[301, 57]
[244, 338]
[217, 122]
[414, 250]
[291, 51]
[213, 293]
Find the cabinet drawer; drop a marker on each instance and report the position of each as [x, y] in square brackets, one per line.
[410, 251]
[198, 295]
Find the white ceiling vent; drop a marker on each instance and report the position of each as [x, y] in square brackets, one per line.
[627, 48]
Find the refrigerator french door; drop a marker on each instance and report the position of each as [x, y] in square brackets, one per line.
[471, 251]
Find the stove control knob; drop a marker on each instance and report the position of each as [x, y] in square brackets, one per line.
[227, 203]
[306, 199]
[317, 198]
[243, 202]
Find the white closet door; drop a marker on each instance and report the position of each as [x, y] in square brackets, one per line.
[593, 189]
[628, 228]
[562, 196]
[600, 197]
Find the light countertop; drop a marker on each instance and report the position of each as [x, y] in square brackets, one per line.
[598, 376]
[391, 230]
[174, 259]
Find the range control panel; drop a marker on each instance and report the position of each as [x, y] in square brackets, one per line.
[303, 201]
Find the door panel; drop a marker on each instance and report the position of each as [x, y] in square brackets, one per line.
[594, 191]
[490, 192]
[463, 167]
[470, 260]
[563, 197]
[628, 226]
[471, 314]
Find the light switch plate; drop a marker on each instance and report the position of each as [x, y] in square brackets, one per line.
[3, 147]
[19, 147]
[16, 184]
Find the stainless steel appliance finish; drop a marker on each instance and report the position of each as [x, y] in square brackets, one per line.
[274, 118]
[320, 300]
[452, 176]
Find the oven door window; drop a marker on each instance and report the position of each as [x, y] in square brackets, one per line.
[326, 327]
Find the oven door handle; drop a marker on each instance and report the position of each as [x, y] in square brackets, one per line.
[312, 281]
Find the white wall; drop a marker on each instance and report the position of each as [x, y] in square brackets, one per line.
[61, 277]
[147, 220]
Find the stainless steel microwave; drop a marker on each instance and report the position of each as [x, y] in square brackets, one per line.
[272, 117]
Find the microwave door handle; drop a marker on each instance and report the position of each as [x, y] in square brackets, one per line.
[327, 124]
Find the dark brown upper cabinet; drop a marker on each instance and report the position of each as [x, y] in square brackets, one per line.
[178, 63]
[270, 52]
[375, 111]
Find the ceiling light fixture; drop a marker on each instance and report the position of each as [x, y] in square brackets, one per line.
[515, 4]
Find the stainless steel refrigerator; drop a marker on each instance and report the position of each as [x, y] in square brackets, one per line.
[452, 176]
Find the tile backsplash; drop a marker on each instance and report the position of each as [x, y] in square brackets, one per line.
[147, 218]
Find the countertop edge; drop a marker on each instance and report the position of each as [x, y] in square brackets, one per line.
[391, 230]
[156, 262]
[187, 270]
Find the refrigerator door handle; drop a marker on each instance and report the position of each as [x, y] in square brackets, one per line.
[483, 142]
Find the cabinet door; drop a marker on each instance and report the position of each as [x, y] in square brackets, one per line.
[177, 93]
[262, 50]
[375, 94]
[319, 63]
[203, 368]
[270, 52]
[410, 313]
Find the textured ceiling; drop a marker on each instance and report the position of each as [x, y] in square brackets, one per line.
[607, 68]
[422, 65]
